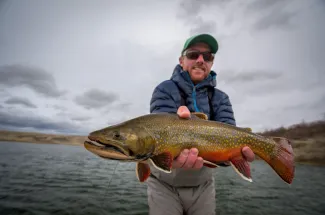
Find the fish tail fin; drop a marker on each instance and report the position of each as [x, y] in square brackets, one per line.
[283, 159]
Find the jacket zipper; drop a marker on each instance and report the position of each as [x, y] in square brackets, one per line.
[194, 94]
[194, 99]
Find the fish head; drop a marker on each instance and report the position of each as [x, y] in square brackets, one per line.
[124, 142]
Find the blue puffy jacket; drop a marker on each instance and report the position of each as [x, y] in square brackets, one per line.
[167, 98]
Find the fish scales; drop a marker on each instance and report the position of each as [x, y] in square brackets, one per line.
[202, 134]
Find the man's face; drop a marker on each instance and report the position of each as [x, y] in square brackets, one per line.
[197, 68]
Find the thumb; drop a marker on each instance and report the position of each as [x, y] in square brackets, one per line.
[183, 112]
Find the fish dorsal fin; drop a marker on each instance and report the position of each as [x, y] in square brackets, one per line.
[163, 161]
[200, 115]
[142, 171]
[246, 129]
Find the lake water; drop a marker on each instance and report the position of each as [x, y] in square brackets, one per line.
[59, 179]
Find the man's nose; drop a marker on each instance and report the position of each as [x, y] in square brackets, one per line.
[200, 59]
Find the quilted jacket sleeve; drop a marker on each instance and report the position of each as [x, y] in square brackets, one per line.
[224, 110]
[162, 100]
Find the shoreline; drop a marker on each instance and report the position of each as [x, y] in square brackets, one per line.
[41, 143]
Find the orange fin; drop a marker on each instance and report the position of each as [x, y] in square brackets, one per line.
[209, 164]
[163, 161]
[242, 167]
[142, 171]
[283, 160]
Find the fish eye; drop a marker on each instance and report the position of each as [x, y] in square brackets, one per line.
[116, 134]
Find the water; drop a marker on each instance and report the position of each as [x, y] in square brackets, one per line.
[60, 179]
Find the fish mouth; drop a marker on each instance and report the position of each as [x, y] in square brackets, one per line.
[110, 149]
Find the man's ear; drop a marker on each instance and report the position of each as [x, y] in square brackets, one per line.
[181, 59]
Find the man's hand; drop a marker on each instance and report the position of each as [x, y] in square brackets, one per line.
[248, 154]
[188, 159]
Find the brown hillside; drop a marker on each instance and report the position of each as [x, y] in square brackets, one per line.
[30, 137]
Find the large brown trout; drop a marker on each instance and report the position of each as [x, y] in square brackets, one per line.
[159, 138]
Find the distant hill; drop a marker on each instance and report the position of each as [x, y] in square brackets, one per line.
[308, 139]
[31, 137]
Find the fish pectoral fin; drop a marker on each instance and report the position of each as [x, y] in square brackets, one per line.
[200, 115]
[163, 161]
[209, 164]
[142, 171]
[242, 167]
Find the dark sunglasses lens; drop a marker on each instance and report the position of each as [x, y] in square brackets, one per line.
[192, 55]
[207, 56]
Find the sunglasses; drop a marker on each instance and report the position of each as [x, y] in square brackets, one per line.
[193, 55]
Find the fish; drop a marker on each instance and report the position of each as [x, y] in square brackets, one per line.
[158, 138]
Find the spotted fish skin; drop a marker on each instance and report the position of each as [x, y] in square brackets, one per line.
[174, 134]
[160, 137]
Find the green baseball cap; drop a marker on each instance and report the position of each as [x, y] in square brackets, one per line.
[204, 38]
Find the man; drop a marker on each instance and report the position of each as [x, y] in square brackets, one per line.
[189, 189]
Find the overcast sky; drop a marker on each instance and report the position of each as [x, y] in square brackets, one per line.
[76, 66]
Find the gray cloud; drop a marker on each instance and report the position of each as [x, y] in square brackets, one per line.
[34, 78]
[18, 121]
[95, 98]
[258, 5]
[190, 14]
[73, 116]
[318, 105]
[84, 118]
[20, 101]
[267, 14]
[264, 83]
[247, 77]
[3, 5]
[201, 26]
[125, 106]
[287, 80]
[272, 14]
[59, 107]
[278, 19]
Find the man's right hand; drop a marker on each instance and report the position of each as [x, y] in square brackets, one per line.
[187, 159]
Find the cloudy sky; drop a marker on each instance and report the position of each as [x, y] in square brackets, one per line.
[76, 66]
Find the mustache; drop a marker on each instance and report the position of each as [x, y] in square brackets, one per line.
[199, 67]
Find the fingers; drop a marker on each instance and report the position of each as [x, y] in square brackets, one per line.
[198, 163]
[181, 159]
[188, 159]
[248, 154]
[183, 112]
[191, 159]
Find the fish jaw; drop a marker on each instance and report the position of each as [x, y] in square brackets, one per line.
[110, 149]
